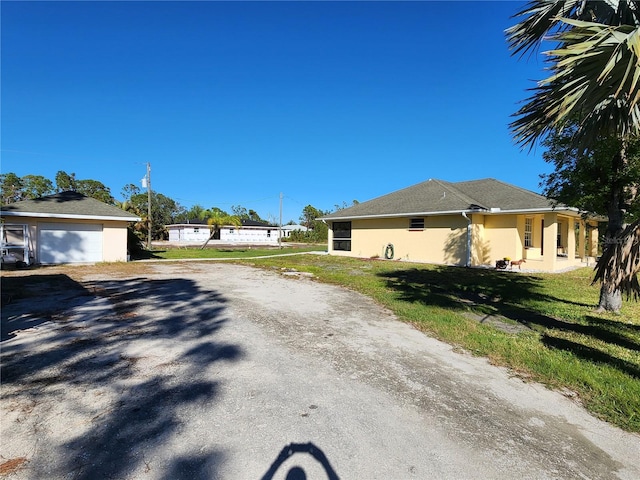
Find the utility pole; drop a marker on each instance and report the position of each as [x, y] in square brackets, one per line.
[280, 225]
[146, 182]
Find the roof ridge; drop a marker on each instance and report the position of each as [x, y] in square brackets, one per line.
[516, 187]
[510, 185]
[460, 194]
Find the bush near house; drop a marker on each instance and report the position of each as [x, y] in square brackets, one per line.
[317, 235]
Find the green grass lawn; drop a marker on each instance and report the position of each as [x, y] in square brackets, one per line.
[551, 333]
[183, 253]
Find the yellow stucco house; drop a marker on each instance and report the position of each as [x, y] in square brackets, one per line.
[471, 223]
[67, 227]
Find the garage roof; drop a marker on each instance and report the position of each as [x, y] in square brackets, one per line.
[67, 205]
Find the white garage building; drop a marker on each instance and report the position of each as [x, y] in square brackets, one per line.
[67, 227]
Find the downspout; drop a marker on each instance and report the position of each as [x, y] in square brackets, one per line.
[468, 263]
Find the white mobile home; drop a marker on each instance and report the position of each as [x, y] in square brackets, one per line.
[250, 232]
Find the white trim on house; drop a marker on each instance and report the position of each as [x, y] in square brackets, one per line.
[69, 216]
[455, 212]
[499, 211]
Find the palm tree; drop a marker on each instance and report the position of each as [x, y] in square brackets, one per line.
[620, 263]
[595, 78]
[216, 219]
[196, 212]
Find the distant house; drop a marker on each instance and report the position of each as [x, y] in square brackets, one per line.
[67, 227]
[287, 229]
[250, 232]
[464, 223]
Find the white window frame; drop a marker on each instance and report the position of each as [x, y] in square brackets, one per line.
[528, 232]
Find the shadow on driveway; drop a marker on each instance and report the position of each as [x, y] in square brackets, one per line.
[141, 347]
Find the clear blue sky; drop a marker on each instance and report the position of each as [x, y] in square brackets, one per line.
[233, 103]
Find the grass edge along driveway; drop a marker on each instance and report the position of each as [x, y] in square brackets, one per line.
[541, 326]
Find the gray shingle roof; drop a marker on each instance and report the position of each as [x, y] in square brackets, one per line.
[67, 205]
[437, 196]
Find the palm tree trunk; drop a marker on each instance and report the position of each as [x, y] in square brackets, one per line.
[611, 298]
[211, 235]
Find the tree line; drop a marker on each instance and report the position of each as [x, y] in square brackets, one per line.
[165, 211]
[15, 188]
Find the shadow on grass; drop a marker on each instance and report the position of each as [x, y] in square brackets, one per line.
[457, 288]
[501, 293]
[591, 354]
[147, 255]
[143, 348]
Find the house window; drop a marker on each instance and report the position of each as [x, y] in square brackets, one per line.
[196, 229]
[528, 232]
[416, 224]
[268, 233]
[232, 230]
[342, 236]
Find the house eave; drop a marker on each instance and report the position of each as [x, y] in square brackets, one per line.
[399, 215]
[492, 211]
[69, 216]
[498, 211]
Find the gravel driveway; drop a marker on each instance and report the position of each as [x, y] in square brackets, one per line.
[219, 371]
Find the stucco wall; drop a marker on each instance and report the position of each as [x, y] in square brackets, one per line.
[501, 237]
[480, 247]
[114, 241]
[443, 240]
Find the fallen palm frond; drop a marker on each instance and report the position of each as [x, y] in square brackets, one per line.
[619, 264]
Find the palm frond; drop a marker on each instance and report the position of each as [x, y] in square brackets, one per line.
[619, 265]
[595, 75]
[541, 18]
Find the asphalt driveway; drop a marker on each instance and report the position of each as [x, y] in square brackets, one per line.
[219, 371]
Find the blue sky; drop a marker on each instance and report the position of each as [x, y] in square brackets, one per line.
[233, 103]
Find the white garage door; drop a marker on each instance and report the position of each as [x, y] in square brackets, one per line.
[69, 243]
